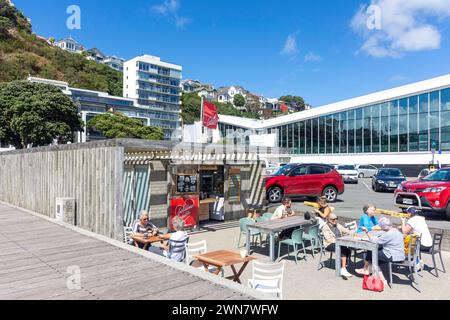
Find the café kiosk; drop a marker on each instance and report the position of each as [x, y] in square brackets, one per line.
[215, 187]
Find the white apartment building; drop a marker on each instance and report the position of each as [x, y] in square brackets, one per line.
[156, 85]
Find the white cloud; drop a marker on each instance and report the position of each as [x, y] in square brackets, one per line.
[290, 47]
[312, 57]
[169, 9]
[404, 26]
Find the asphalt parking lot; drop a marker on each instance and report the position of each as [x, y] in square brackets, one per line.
[350, 203]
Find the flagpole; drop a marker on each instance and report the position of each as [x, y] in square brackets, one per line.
[201, 118]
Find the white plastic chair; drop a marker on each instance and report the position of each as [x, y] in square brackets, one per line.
[267, 277]
[197, 248]
[127, 231]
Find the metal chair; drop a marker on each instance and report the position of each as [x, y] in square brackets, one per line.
[197, 248]
[411, 261]
[436, 249]
[295, 240]
[313, 237]
[323, 252]
[267, 277]
[243, 230]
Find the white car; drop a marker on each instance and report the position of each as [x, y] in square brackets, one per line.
[348, 172]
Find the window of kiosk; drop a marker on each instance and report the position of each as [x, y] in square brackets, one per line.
[211, 183]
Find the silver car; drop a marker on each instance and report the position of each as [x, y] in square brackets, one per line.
[366, 170]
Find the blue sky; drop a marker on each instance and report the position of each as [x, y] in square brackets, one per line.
[321, 50]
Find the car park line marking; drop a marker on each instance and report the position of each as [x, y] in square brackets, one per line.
[370, 189]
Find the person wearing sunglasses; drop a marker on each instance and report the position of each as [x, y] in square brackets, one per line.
[331, 231]
[144, 226]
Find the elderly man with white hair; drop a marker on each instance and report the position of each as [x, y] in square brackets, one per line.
[331, 231]
[392, 247]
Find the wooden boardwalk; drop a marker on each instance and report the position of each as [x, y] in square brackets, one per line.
[35, 256]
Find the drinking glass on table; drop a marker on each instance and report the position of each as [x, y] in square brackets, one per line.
[243, 253]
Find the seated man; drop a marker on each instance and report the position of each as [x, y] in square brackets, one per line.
[368, 221]
[331, 231]
[284, 211]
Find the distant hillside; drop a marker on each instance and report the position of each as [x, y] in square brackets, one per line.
[23, 53]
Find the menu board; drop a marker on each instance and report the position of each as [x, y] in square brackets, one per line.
[234, 186]
[187, 184]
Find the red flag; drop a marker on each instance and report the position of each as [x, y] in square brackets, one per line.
[210, 116]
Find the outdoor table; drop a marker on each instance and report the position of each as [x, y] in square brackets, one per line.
[359, 241]
[224, 258]
[272, 227]
[146, 242]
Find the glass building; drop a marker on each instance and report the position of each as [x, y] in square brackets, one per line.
[409, 119]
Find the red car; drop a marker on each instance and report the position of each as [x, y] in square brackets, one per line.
[431, 193]
[310, 180]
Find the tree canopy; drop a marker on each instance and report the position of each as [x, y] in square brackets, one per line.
[116, 125]
[294, 102]
[239, 100]
[36, 114]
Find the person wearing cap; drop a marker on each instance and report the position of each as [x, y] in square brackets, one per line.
[416, 224]
[331, 231]
[368, 221]
[392, 248]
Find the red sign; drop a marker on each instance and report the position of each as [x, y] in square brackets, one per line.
[210, 115]
[186, 209]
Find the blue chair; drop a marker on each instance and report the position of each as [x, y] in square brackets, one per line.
[313, 237]
[243, 230]
[268, 215]
[295, 240]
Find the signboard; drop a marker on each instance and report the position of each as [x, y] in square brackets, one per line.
[187, 184]
[264, 140]
[186, 209]
[234, 185]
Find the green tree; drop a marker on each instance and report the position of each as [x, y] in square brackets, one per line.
[5, 26]
[36, 114]
[294, 102]
[239, 101]
[190, 107]
[116, 125]
[52, 40]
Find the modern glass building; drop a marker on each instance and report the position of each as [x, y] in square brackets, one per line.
[156, 86]
[414, 119]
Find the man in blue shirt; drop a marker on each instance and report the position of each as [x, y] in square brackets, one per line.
[368, 221]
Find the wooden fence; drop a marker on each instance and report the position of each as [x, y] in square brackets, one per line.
[91, 173]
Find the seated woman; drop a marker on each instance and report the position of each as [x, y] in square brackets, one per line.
[323, 211]
[144, 226]
[368, 221]
[392, 248]
[417, 225]
[176, 249]
[331, 231]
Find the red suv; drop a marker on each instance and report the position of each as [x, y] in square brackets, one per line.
[431, 193]
[310, 180]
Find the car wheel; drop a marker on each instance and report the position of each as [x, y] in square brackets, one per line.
[447, 212]
[374, 187]
[330, 193]
[361, 175]
[275, 195]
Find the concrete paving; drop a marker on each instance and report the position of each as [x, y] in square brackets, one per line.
[304, 282]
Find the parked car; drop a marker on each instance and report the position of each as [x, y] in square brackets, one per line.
[431, 193]
[310, 180]
[387, 179]
[366, 170]
[348, 172]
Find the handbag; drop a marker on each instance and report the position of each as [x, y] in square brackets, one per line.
[373, 283]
